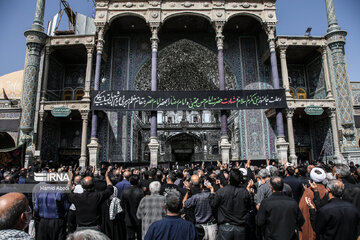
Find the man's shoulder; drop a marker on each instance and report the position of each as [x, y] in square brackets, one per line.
[264, 187]
[225, 189]
[123, 182]
[291, 179]
[156, 196]
[126, 191]
[187, 224]
[172, 220]
[159, 223]
[13, 234]
[153, 197]
[338, 203]
[277, 197]
[133, 190]
[203, 194]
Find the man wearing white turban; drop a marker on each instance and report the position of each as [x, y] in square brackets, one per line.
[317, 175]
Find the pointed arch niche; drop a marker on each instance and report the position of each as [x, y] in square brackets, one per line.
[185, 65]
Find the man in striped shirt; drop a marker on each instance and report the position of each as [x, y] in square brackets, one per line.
[151, 208]
[51, 206]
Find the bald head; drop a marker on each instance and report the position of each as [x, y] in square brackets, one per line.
[87, 184]
[276, 184]
[309, 168]
[9, 179]
[195, 180]
[14, 211]
[127, 174]
[77, 179]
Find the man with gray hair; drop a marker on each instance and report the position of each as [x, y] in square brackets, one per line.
[264, 190]
[151, 208]
[87, 234]
[351, 191]
[172, 226]
[337, 219]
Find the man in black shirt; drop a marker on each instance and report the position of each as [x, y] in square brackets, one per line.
[233, 204]
[130, 201]
[88, 203]
[351, 191]
[338, 219]
[145, 182]
[279, 215]
[169, 186]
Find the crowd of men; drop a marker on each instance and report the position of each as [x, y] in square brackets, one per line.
[216, 201]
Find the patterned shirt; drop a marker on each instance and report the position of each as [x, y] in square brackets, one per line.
[150, 209]
[203, 211]
[51, 204]
[263, 192]
[14, 234]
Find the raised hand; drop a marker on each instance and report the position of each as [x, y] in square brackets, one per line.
[313, 186]
[284, 162]
[108, 170]
[70, 174]
[249, 186]
[309, 203]
[248, 163]
[217, 182]
[187, 185]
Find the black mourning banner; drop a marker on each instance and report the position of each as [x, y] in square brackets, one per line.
[187, 100]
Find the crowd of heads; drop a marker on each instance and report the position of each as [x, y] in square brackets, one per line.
[211, 172]
[14, 208]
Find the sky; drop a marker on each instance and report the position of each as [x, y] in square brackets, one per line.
[294, 17]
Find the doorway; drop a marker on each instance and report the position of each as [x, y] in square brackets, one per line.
[183, 147]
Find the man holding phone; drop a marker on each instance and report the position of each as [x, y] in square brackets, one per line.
[206, 226]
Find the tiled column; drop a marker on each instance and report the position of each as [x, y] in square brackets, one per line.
[48, 51]
[94, 145]
[84, 117]
[326, 73]
[284, 71]
[224, 143]
[39, 16]
[154, 143]
[332, 114]
[40, 130]
[90, 51]
[342, 90]
[35, 40]
[289, 117]
[281, 144]
[331, 16]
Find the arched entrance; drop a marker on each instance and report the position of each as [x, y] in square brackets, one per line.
[187, 61]
[185, 65]
[183, 147]
[6, 141]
